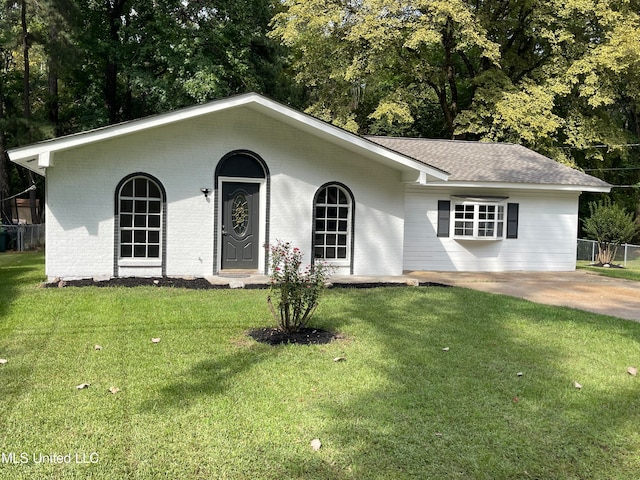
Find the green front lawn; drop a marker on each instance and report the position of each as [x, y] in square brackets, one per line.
[630, 272]
[209, 402]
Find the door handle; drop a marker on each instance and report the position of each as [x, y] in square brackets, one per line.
[224, 232]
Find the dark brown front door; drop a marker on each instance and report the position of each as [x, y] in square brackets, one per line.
[240, 227]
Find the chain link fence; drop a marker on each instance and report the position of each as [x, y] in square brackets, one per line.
[627, 255]
[25, 237]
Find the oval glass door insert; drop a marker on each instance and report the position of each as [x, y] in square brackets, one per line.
[240, 214]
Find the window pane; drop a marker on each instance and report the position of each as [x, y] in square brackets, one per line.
[154, 206]
[154, 236]
[331, 239]
[154, 251]
[318, 252]
[154, 221]
[127, 189]
[342, 252]
[140, 221]
[140, 188]
[332, 225]
[126, 251]
[332, 195]
[154, 191]
[332, 212]
[126, 236]
[125, 220]
[140, 236]
[321, 212]
[320, 225]
[331, 252]
[322, 196]
[342, 239]
[141, 206]
[342, 198]
[319, 239]
[343, 212]
[342, 226]
[126, 206]
[139, 251]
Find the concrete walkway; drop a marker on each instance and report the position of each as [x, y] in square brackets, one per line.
[581, 289]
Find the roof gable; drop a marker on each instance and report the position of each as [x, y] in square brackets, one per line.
[40, 156]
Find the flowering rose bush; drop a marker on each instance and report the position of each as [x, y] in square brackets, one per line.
[296, 290]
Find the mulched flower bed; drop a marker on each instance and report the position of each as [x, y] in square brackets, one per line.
[195, 283]
[200, 283]
[305, 336]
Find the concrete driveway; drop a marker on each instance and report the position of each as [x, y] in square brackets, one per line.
[581, 289]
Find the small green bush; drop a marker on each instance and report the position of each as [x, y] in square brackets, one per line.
[610, 226]
[297, 290]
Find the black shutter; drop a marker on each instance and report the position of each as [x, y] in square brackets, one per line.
[444, 214]
[512, 220]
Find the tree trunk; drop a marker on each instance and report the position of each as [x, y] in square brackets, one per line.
[26, 90]
[53, 102]
[116, 7]
[26, 98]
[4, 164]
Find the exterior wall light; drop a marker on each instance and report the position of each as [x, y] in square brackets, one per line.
[206, 191]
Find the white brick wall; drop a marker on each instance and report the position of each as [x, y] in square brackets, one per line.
[547, 233]
[81, 194]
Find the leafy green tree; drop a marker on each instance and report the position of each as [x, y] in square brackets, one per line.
[559, 76]
[610, 226]
[548, 75]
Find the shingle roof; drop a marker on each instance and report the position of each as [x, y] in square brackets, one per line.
[488, 162]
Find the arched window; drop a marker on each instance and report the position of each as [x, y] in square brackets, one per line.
[333, 211]
[140, 211]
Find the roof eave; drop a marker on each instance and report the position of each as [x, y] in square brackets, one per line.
[524, 186]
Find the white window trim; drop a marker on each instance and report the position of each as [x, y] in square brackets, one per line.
[476, 220]
[139, 262]
[142, 261]
[337, 262]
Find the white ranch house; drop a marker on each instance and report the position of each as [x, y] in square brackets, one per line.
[202, 190]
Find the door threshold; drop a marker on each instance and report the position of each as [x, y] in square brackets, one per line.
[237, 273]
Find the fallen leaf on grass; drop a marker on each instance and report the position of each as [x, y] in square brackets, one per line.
[577, 385]
[519, 374]
[316, 444]
[438, 434]
[339, 359]
[632, 371]
[114, 390]
[97, 347]
[155, 340]
[445, 349]
[516, 399]
[83, 385]
[3, 361]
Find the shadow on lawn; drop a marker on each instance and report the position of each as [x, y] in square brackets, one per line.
[18, 270]
[465, 413]
[208, 378]
[459, 413]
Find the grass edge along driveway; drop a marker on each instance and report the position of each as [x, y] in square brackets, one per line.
[430, 387]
